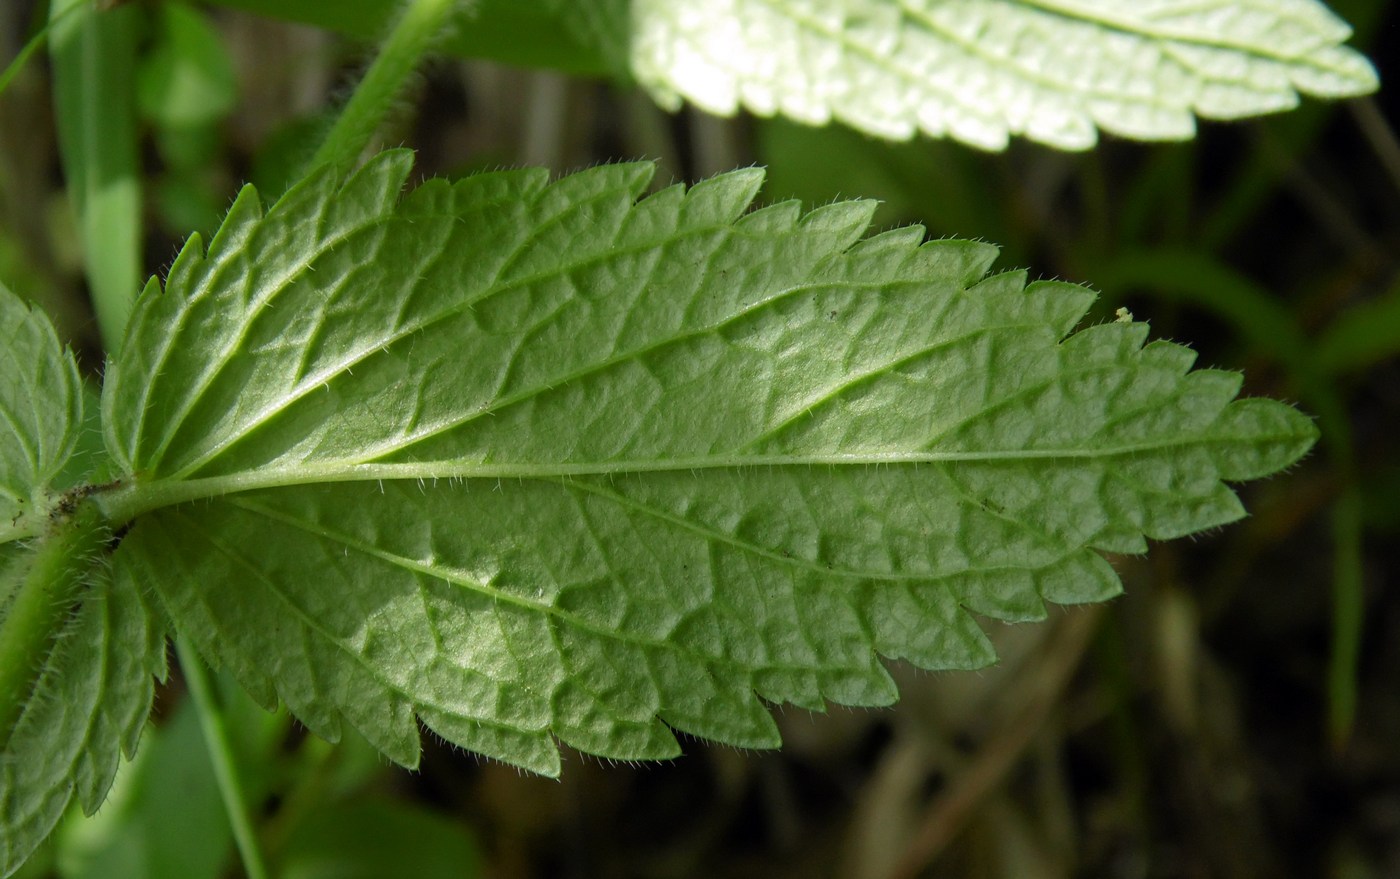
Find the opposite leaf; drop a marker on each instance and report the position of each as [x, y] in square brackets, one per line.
[982, 70]
[535, 461]
[88, 692]
[88, 707]
[41, 412]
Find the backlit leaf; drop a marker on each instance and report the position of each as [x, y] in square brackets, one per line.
[1055, 71]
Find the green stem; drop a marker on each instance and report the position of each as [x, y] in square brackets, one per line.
[124, 503]
[55, 576]
[420, 25]
[220, 748]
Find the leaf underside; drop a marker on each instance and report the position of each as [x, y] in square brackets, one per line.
[88, 708]
[534, 462]
[93, 691]
[41, 408]
[979, 71]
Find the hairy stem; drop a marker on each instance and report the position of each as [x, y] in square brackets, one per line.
[55, 576]
[220, 748]
[417, 28]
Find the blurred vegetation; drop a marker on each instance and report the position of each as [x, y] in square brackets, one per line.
[1235, 714]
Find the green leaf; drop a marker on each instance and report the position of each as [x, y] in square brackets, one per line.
[982, 70]
[535, 461]
[89, 706]
[92, 691]
[979, 71]
[164, 818]
[41, 413]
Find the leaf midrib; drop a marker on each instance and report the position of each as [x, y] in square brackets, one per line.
[123, 504]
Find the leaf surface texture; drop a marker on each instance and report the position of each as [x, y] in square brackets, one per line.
[89, 707]
[536, 462]
[41, 411]
[93, 691]
[1055, 71]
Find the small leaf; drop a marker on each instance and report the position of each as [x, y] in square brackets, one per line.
[89, 706]
[41, 413]
[530, 461]
[980, 71]
[93, 691]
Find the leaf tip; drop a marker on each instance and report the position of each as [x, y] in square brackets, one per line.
[1260, 437]
[726, 196]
